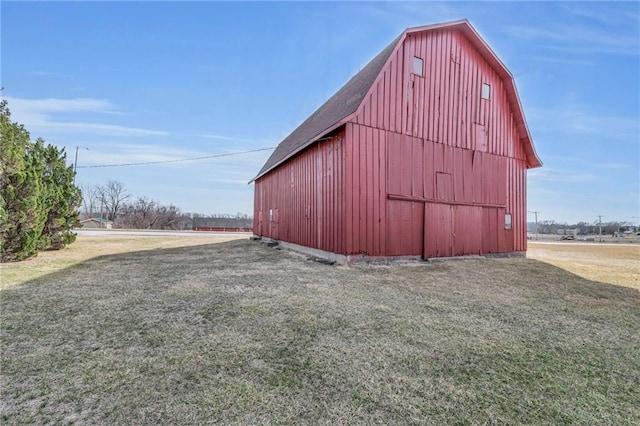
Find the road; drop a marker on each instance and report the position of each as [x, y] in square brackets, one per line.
[583, 243]
[148, 232]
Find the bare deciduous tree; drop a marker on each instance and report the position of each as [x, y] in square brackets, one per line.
[141, 214]
[169, 216]
[111, 200]
[90, 200]
[149, 214]
[112, 196]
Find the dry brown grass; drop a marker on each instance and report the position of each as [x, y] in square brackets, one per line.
[613, 264]
[88, 247]
[239, 333]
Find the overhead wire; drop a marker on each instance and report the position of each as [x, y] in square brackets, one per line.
[177, 160]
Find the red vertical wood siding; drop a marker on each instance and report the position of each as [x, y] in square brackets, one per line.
[303, 201]
[368, 219]
[444, 143]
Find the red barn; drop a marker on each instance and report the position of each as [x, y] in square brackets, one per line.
[423, 153]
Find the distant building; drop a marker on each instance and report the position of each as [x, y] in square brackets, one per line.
[96, 223]
[222, 224]
[568, 231]
[424, 153]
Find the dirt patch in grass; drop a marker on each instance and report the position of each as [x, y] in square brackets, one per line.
[613, 264]
[240, 333]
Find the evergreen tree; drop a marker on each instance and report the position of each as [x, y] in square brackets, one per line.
[61, 198]
[38, 200]
[20, 207]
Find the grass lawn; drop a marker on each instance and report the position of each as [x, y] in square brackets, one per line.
[88, 247]
[240, 333]
[608, 263]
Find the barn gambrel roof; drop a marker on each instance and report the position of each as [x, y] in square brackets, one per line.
[344, 104]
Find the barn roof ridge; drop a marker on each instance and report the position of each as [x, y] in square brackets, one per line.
[329, 115]
[345, 103]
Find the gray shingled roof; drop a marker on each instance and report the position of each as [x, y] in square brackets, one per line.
[342, 104]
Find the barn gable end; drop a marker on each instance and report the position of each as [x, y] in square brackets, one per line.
[430, 162]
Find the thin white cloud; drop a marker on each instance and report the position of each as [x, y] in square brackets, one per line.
[614, 166]
[582, 162]
[566, 159]
[562, 60]
[416, 11]
[56, 105]
[575, 203]
[42, 116]
[578, 38]
[137, 153]
[551, 175]
[96, 128]
[228, 138]
[573, 118]
[615, 16]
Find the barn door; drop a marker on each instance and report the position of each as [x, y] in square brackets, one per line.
[438, 230]
[490, 234]
[467, 230]
[260, 230]
[273, 220]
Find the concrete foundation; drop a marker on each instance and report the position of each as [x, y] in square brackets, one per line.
[361, 258]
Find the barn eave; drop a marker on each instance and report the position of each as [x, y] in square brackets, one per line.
[319, 137]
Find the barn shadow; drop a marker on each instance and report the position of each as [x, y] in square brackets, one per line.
[245, 254]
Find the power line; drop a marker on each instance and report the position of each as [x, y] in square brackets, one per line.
[600, 226]
[175, 161]
[536, 213]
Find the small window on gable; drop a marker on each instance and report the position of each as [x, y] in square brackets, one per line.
[507, 221]
[418, 65]
[486, 91]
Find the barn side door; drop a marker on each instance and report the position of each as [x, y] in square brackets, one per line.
[467, 230]
[274, 222]
[438, 230]
[260, 230]
[494, 234]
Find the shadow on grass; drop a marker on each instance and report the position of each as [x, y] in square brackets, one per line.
[237, 332]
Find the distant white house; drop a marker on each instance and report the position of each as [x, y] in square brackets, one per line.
[96, 223]
[568, 231]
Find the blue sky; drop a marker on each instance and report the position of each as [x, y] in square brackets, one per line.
[154, 81]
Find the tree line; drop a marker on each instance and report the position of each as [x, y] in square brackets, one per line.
[112, 202]
[38, 198]
[581, 228]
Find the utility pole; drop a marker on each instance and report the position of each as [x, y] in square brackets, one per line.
[536, 215]
[75, 163]
[600, 227]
